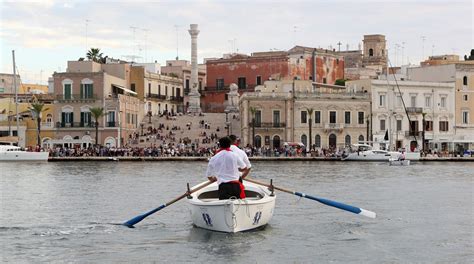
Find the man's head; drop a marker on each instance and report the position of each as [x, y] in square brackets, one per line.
[224, 142]
[234, 140]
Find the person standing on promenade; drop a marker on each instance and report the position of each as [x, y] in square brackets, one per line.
[224, 168]
[235, 141]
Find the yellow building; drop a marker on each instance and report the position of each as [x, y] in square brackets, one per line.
[27, 88]
[27, 126]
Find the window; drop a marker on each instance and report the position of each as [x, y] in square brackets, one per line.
[67, 118]
[399, 101]
[443, 102]
[219, 84]
[2, 90]
[428, 125]
[347, 140]
[166, 91]
[242, 83]
[67, 91]
[304, 116]
[464, 80]
[317, 141]
[414, 127]
[371, 52]
[413, 100]
[347, 117]
[443, 126]
[304, 140]
[259, 80]
[382, 100]
[187, 84]
[465, 97]
[132, 87]
[428, 101]
[332, 117]
[465, 117]
[382, 124]
[276, 118]
[258, 118]
[149, 89]
[317, 117]
[86, 119]
[159, 90]
[361, 139]
[200, 85]
[361, 118]
[399, 125]
[324, 80]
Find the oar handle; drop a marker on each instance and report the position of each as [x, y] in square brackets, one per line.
[130, 223]
[268, 185]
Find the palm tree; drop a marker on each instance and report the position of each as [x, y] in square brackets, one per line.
[94, 54]
[310, 113]
[253, 110]
[37, 109]
[97, 112]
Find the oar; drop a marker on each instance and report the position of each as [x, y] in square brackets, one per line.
[346, 207]
[130, 223]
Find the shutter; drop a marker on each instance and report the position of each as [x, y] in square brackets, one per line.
[91, 91]
[63, 119]
[81, 91]
[82, 118]
[72, 118]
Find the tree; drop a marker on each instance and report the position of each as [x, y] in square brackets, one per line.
[37, 109]
[97, 112]
[95, 55]
[341, 82]
[253, 110]
[310, 113]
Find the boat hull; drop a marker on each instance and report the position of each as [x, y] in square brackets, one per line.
[23, 156]
[233, 215]
[370, 156]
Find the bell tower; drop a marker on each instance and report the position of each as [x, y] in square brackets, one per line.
[375, 52]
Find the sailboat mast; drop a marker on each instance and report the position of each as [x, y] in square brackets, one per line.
[16, 95]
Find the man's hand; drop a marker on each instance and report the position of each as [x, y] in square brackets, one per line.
[212, 178]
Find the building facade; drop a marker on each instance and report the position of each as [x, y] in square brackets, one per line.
[301, 63]
[431, 103]
[88, 84]
[160, 93]
[282, 111]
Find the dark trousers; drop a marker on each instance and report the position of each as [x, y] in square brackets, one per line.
[228, 190]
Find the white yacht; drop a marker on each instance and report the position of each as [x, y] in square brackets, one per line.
[14, 153]
[364, 152]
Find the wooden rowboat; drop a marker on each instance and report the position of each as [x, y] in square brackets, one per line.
[233, 215]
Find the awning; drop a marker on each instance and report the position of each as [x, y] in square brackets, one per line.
[124, 89]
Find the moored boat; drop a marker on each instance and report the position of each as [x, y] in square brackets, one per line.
[394, 162]
[364, 152]
[14, 153]
[233, 215]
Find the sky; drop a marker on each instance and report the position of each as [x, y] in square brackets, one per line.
[46, 34]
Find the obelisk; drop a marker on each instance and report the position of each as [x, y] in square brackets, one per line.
[194, 95]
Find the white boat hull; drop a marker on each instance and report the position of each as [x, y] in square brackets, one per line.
[371, 156]
[399, 162]
[232, 215]
[23, 156]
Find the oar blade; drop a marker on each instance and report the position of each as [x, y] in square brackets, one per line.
[130, 223]
[367, 213]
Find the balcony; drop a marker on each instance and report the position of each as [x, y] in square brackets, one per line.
[75, 125]
[415, 110]
[176, 98]
[76, 98]
[156, 96]
[412, 133]
[268, 125]
[110, 124]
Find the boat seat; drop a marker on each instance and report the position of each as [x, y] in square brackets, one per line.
[213, 196]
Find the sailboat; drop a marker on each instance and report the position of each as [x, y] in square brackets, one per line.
[8, 150]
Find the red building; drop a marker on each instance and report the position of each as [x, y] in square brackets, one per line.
[301, 63]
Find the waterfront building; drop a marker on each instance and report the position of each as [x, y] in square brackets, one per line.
[281, 111]
[160, 93]
[88, 84]
[301, 63]
[461, 74]
[431, 102]
[182, 70]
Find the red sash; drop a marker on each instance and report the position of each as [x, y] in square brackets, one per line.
[242, 189]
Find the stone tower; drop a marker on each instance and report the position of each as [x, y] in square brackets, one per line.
[375, 52]
[194, 96]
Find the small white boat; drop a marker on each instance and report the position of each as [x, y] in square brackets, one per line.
[394, 162]
[14, 153]
[233, 215]
[364, 152]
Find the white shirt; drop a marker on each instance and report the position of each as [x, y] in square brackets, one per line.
[242, 155]
[225, 166]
